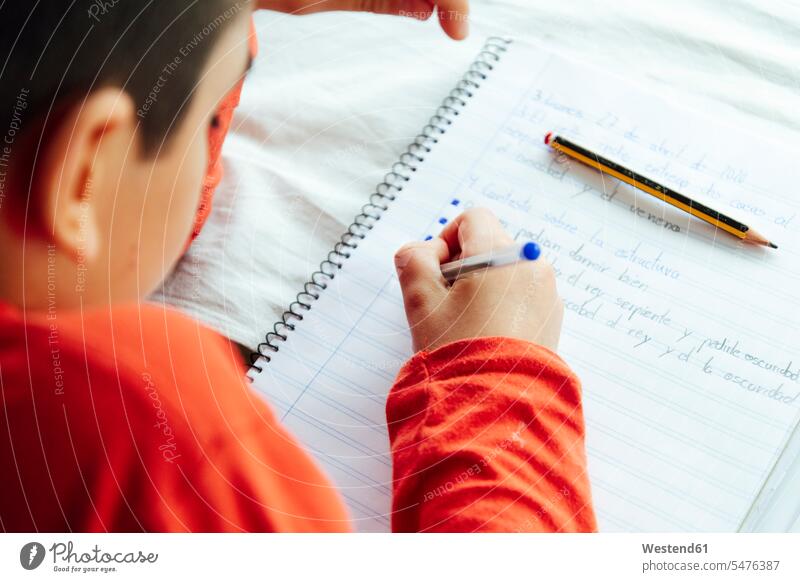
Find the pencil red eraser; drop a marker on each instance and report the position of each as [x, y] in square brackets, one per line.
[548, 136]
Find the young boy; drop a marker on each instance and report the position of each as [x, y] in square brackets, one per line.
[118, 415]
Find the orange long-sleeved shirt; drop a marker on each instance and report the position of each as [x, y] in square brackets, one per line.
[140, 419]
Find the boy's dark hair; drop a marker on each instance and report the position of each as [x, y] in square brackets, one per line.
[55, 52]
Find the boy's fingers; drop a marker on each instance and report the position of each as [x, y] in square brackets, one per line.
[418, 267]
[453, 14]
[454, 17]
[421, 9]
[475, 232]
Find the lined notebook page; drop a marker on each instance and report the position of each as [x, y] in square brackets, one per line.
[684, 339]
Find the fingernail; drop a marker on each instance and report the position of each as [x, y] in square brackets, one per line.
[463, 27]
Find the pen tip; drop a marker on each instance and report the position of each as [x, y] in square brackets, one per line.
[548, 137]
[772, 245]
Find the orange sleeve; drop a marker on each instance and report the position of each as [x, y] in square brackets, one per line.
[488, 435]
[218, 459]
[139, 419]
[238, 469]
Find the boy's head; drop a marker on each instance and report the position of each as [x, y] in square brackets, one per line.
[105, 109]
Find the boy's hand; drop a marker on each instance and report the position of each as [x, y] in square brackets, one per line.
[453, 14]
[518, 301]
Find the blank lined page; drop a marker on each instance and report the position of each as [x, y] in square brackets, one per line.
[685, 339]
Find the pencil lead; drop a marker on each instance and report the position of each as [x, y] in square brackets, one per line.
[772, 245]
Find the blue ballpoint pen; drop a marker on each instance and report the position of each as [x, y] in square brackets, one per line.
[528, 251]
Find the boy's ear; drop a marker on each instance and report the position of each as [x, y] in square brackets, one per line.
[81, 163]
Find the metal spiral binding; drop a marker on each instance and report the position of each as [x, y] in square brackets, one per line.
[379, 201]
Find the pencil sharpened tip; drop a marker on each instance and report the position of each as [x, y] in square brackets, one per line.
[772, 245]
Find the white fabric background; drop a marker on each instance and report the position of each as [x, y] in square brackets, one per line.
[335, 98]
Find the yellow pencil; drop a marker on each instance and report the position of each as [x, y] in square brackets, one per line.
[671, 197]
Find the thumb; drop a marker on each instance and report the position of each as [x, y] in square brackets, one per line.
[418, 266]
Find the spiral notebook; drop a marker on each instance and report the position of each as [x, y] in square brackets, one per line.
[684, 339]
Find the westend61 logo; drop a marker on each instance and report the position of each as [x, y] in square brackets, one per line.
[67, 559]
